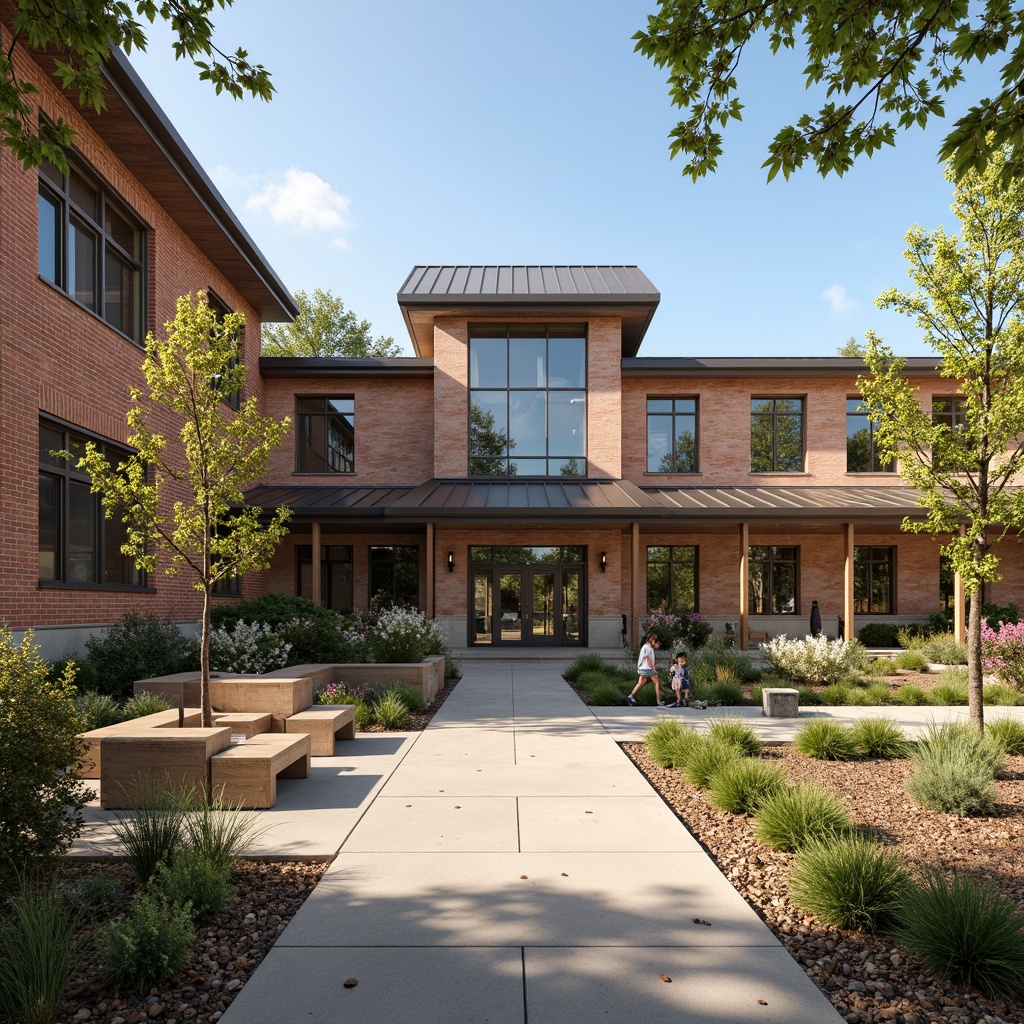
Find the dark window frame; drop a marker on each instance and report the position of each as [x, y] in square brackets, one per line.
[536, 332]
[871, 425]
[953, 417]
[770, 561]
[673, 417]
[304, 557]
[774, 416]
[671, 563]
[220, 309]
[865, 568]
[324, 418]
[66, 477]
[59, 190]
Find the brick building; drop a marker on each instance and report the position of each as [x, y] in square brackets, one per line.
[526, 477]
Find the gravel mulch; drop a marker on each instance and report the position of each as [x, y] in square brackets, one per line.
[867, 978]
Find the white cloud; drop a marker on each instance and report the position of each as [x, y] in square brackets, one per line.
[839, 302]
[302, 201]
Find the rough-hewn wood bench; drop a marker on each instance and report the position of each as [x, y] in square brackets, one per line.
[245, 723]
[152, 758]
[159, 720]
[324, 723]
[281, 697]
[246, 773]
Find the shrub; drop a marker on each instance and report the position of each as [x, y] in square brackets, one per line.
[670, 743]
[808, 697]
[707, 758]
[955, 766]
[363, 712]
[738, 733]
[1000, 694]
[999, 612]
[154, 831]
[792, 818]
[879, 634]
[584, 663]
[139, 647]
[390, 712]
[725, 692]
[850, 882]
[200, 886]
[452, 667]
[881, 667]
[405, 635]
[94, 896]
[910, 695]
[218, 831]
[84, 673]
[715, 654]
[825, 740]
[40, 813]
[148, 945]
[740, 787]
[879, 737]
[332, 693]
[942, 649]
[251, 647]
[857, 697]
[1002, 652]
[813, 659]
[911, 661]
[141, 704]
[407, 695]
[966, 932]
[676, 632]
[316, 640]
[39, 952]
[605, 695]
[97, 710]
[592, 677]
[1009, 732]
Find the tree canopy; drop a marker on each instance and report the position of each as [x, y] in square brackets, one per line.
[81, 35]
[964, 451]
[323, 328]
[883, 69]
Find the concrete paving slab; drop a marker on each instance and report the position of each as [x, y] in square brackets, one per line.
[569, 748]
[432, 823]
[601, 824]
[515, 780]
[568, 898]
[428, 986]
[447, 747]
[708, 986]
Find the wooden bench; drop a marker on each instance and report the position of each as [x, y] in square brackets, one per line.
[325, 724]
[280, 696]
[246, 773]
[92, 760]
[244, 723]
[756, 638]
[179, 758]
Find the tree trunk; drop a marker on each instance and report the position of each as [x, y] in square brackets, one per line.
[974, 676]
[204, 663]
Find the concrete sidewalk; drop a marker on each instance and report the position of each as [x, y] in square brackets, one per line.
[515, 867]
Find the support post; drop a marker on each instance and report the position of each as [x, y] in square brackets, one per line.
[848, 630]
[315, 584]
[959, 604]
[431, 571]
[634, 585]
[744, 585]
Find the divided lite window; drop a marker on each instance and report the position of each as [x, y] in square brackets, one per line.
[672, 579]
[326, 435]
[874, 580]
[92, 248]
[671, 435]
[772, 580]
[77, 543]
[528, 401]
[861, 454]
[776, 435]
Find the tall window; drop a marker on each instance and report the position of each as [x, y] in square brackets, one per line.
[776, 435]
[77, 544]
[874, 580]
[672, 579]
[92, 248]
[335, 574]
[326, 435]
[528, 395]
[220, 311]
[861, 453]
[671, 435]
[947, 584]
[395, 575]
[773, 576]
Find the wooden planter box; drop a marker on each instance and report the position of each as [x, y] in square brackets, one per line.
[426, 678]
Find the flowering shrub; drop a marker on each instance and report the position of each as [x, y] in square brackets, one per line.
[676, 632]
[405, 635]
[815, 659]
[1002, 652]
[252, 647]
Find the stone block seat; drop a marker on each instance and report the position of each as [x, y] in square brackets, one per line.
[325, 723]
[151, 758]
[245, 774]
[92, 761]
[244, 723]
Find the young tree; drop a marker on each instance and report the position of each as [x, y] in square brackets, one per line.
[894, 61]
[82, 33]
[209, 534]
[965, 462]
[324, 327]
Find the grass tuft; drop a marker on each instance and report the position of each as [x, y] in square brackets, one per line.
[955, 766]
[1009, 732]
[792, 818]
[707, 758]
[910, 695]
[740, 787]
[880, 737]
[825, 740]
[584, 663]
[738, 733]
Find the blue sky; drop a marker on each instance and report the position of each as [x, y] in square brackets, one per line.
[454, 132]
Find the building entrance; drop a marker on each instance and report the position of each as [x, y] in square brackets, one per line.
[527, 596]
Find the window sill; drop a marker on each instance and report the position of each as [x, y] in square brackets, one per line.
[324, 472]
[694, 472]
[780, 472]
[130, 588]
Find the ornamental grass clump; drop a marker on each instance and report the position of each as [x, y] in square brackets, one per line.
[220, 832]
[1000, 694]
[608, 694]
[707, 758]
[834, 695]
[966, 932]
[584, 663]
[662, 733]
[943, 649]
[153, 832]
[792, 818]
[1009, 732]
[144, 703]
[910, 695]
[954, 768]
[407, 695]
[97, 710]
[850, 882]
[813, 659]
[738, 733]
[390, 712]
[879, 737]
[825, 740]
[911, 661]
[740, 787]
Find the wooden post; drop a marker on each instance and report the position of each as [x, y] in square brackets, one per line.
[431, 571]
[316, 564]
[959, 604]
[744, 585]
[848, 632]
[634, 586]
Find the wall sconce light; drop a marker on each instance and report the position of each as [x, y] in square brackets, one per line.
[603, 562]
[451, 561]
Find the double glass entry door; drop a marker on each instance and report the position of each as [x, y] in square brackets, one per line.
[526, 605]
